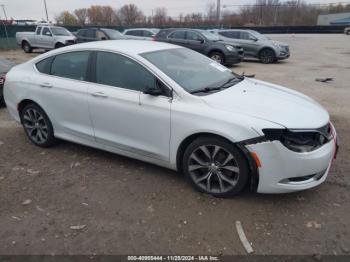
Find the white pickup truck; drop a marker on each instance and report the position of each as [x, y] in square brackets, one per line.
[45, 37]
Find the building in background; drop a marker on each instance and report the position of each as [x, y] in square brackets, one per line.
[334, 19]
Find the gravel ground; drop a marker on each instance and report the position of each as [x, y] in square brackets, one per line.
[124, 206]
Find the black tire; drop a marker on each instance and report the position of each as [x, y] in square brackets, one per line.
[59, 45]
[348, 32]
[2, 101]
[218, 57]
[225, 180]
[35, 121]
[26, 47]
[267, 56]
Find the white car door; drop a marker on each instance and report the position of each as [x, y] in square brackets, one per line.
[63, 93]
[120, 119]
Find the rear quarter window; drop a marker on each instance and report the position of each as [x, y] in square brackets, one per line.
[44, 66]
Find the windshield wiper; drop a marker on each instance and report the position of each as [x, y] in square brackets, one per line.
[206, 90]
[226, 84]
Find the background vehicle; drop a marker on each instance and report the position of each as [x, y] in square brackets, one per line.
[255, 44]
[5, 66]
[174, 107]
[97, 34]
[141, 33]
[203, 42]
[45, 37]
[347, 30]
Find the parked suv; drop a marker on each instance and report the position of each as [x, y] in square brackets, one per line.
[255, 44]
[141, 33]
[203, 42]
[97, 34]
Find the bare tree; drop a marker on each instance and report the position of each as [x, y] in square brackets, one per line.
[160, 16]
[130, 15]
[102, 15]
[82, 15]
[211, 12]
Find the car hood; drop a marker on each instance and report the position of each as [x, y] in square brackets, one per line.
[65, 38]
[270, 102]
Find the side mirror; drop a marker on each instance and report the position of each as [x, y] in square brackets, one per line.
[153, 91]
[48, 34]
[201, 41]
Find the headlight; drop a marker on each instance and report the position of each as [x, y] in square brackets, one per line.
[230, 48]
[300, 140]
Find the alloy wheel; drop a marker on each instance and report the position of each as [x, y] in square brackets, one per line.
[213, 168]
[267, 56]
[216, 58]
[35, 125]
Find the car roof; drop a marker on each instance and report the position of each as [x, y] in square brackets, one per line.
[132, 47]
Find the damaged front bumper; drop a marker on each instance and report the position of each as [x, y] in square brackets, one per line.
[281, 170]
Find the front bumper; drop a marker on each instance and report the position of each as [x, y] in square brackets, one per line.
[284, 53]
[234, 58]
[284, 171]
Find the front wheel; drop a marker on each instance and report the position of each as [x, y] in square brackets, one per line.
[217, 57]
[267, 56]
[37, 126]
[215, 166]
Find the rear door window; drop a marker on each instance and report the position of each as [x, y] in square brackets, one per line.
[71, 65]
[44, 66]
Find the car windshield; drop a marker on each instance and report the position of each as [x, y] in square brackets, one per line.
[113, 34]
[191, 70]
[60, 31]
[210, 36]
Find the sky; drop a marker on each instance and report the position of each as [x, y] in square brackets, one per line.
[34, 9]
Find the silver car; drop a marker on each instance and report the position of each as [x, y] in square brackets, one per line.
[256, 45]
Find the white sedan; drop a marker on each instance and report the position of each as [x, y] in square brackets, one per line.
[176, 108]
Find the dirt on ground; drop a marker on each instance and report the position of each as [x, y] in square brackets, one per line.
[72, 199]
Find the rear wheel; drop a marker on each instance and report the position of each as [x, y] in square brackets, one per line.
[267, 56]
[215, 166]
[217, 57]
[26, 47]
[37, 126]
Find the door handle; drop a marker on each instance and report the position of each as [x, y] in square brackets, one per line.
[46, 85]
[99, 94]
